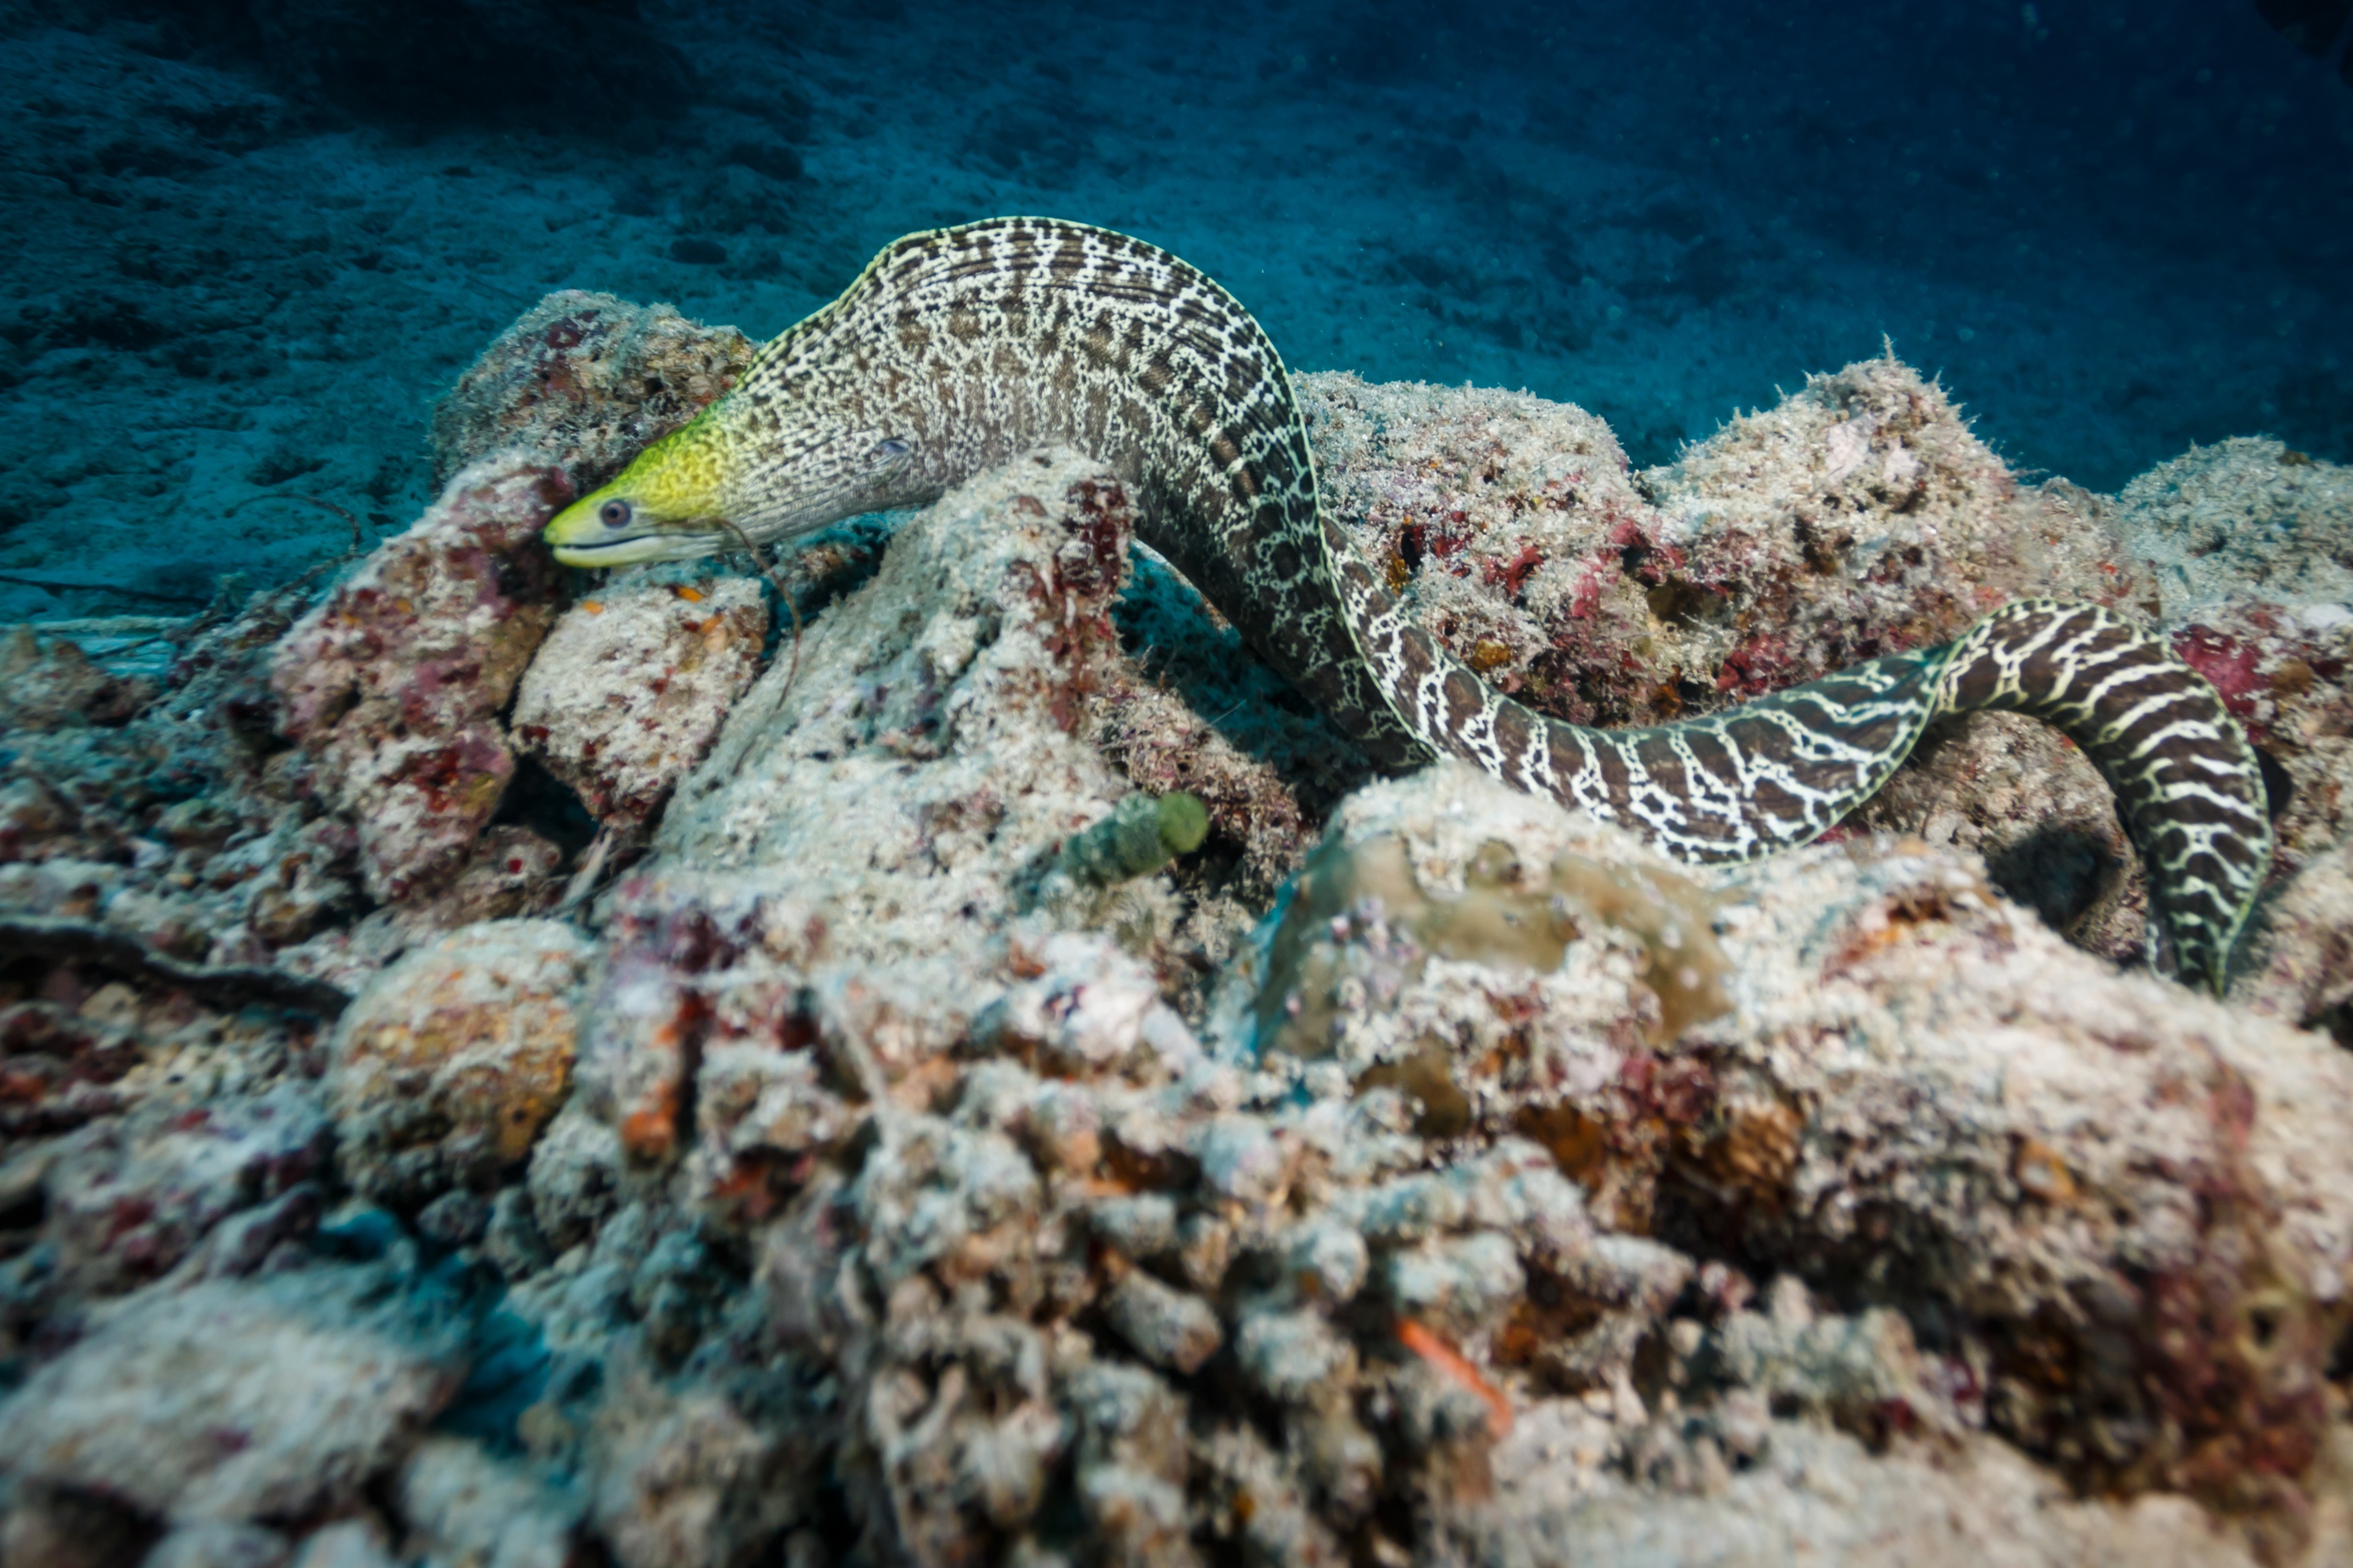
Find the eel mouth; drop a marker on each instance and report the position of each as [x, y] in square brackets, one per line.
[580, 537]
[630, 551]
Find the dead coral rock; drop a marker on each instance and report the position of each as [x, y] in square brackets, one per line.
[683, 1480]
[347, 1543]
[172, 826]
[891, 821]
[55, 686]
[47, 1527]
[1166, 1327]
[1029, 1248]
[132, 1196]
[2021, 795]
[584, 380]
[1866, 1371]
[629, 688]
[220, 1543]
[2242, 520]
[1860, 517]
[1500, 517]
[394, 683]
[238, 1401]
[574, 1173]
[510, 872]
[141, 1134]
[1757, 1490]
[465, 1505]
[446, 1069]
[2302, 968]
[1912, 1081]
[972, 656]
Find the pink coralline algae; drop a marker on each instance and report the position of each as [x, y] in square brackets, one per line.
[2230, 664]
[394, 685]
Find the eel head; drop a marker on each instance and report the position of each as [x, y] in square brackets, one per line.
[704, 489]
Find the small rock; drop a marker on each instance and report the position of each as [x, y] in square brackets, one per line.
[1166, 1326]
[511, 1239]
[686, 1482]
[238, 1400]
[53, 686]
[629, 688]
[448, 1066]
[220, 1543]
[396, 682]
[346, 1544]
[471, 1508]
[44, 1528]
[456, 1218]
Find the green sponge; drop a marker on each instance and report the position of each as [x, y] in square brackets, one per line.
[1143, 833]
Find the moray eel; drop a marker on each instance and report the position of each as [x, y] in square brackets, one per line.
[958, 348]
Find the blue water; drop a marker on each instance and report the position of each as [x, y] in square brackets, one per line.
[247, 244]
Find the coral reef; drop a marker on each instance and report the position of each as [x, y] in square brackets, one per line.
[1031, 1100]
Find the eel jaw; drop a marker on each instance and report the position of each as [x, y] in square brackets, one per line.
[644, 547]
[579, 536]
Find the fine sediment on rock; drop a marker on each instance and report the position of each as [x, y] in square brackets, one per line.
[1414, 1171]
[629, 690]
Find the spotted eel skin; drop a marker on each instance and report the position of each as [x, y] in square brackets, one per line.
[958, 348]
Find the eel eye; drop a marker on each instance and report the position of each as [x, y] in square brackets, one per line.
[613, 513]
[889, 450]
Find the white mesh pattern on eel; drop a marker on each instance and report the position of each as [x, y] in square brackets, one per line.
[961, 347]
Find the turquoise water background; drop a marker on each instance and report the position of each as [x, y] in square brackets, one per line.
[248, 245]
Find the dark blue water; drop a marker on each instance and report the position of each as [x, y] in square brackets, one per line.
[248, 241]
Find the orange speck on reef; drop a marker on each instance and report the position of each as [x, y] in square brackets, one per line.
[652, 1131]
[1431, 1348]
[592, 607]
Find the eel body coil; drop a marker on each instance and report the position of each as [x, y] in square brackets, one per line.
[957, 348]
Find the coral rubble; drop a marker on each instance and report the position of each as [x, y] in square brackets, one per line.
[1030, 1099]
[394, 685]
[629, 690]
